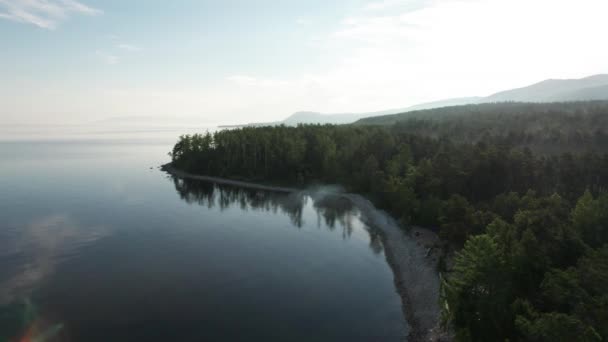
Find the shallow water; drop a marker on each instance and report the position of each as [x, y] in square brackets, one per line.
[95, 245]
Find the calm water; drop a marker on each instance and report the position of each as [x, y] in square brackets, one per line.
[97, 246]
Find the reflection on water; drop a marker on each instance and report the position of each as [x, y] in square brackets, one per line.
[95, 245]
[211, 195]
[331, 210]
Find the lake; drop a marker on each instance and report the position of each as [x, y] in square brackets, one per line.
[98, 244]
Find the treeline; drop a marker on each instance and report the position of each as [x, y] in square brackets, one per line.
[545, 127]
[533, 227]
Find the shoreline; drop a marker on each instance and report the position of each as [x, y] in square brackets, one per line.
[411, 256]
[178, 173]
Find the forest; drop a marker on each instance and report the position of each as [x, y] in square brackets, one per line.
[545, 127]
[517, 192]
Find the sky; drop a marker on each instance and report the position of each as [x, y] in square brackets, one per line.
[231, 61]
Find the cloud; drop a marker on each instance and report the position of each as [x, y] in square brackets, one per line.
[248, 81]
[384, 4]
[401, 5]
[45, 14]
[388, 55]
[115, 54]
[128, 47]
[441, 49]
[108, 58]
[377, 30]
[457, 48]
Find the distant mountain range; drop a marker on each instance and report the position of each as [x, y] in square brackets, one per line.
[343, 118]
[552, 90]
[319, 118]
[588, 88]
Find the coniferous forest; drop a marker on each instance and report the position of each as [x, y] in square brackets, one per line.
[517, 192]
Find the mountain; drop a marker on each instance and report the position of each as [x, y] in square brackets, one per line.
[591, 93]
[487, 115]
[553, 90]
[313, 117]
[347, 118]
[444, 103]
[548, 91]
[320, 118]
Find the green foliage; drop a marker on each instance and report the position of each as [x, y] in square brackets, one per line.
[478, 291]
[590, 218]
[556, 327]
[456, 219]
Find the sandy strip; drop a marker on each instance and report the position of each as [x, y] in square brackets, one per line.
[410, 256]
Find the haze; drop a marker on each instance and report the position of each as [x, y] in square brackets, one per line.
[222, 62]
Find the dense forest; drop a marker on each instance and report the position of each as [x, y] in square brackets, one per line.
[545, 127]
[529, 223]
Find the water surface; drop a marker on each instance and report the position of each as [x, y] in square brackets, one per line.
[97, 244]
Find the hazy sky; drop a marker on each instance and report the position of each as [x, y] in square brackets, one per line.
[229, 61]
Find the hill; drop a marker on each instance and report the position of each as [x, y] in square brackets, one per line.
[307, 117]
[591, 93]
[490, 111]
[444, 103]
[553, 90]
[314, 117]
[588, 88]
